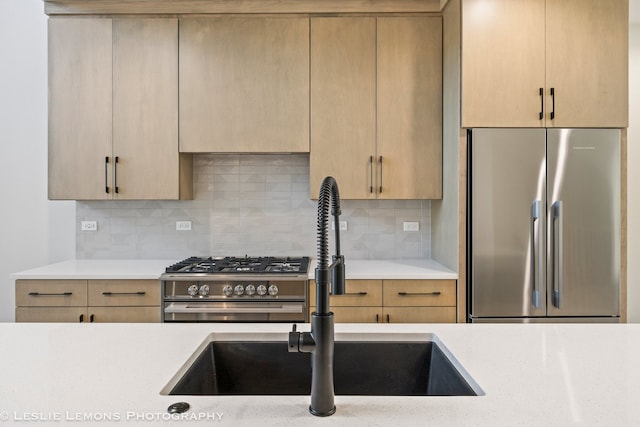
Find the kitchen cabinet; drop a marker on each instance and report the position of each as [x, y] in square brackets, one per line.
[393, 301]
[544, 63]
[244, 84]
[113, 110]
[91, 301]
[376, 106]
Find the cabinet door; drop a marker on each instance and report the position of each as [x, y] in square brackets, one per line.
[587, 62]
[124, 314]
[52, 314]
[419, 315]
[244, 84]
[409, 107]
[145, 108]
[503, 62]
[343, 104]
[80, 107]
[356, 314]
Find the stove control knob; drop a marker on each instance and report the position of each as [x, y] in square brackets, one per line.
[273, 290]
[262, 290]
[250, 290]
[227, 290]
[193, 290]
[239, 290]
[204, 290]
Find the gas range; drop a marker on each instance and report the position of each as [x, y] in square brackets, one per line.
[236, 289]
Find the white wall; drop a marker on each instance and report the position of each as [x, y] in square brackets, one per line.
[633, 175]
[34, 230]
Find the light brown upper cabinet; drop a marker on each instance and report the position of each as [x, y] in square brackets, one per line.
[544, 63]
[113, 110]
[244, 84]
[376, 106]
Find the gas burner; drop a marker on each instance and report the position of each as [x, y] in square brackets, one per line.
[238, 265]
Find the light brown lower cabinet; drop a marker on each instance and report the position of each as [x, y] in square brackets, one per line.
[393, 301]
[88, 301]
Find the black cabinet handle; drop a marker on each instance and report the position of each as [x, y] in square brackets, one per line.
[431, 294]
[91, 319]
[115, 174]
[541, 114]
[377, 318]
[106, 174]
[553, 103]
[354, 294]
[380, 175]
[81, 318]
[388, 319]
[123, 293]
[370, 174]
[60, 294]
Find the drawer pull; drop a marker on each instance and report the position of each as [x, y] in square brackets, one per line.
[61, 294]
[428, 294]
[354, 294]
[107, 294]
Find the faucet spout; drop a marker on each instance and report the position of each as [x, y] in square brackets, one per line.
[320, 341]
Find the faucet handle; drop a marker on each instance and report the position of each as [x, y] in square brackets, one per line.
[300, 342]
[294, 339]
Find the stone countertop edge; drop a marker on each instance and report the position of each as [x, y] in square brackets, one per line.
[141, 269]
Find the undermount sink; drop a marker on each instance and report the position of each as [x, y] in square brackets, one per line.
[420, 366]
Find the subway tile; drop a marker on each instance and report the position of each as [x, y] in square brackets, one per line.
[249, 204]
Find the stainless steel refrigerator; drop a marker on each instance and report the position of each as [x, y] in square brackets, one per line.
[544, 225]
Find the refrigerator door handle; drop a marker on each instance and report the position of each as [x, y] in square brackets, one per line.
[556, 253]
[536, 255]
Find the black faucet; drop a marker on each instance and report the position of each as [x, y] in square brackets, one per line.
[319, 342]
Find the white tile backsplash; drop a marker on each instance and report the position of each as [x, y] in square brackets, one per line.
[249, 204]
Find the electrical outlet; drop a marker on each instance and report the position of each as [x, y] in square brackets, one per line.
[89, 225]
[183, 225]
[343, 225]
[411, 226]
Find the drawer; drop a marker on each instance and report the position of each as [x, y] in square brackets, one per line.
[51, 293]
[359, 293]
[51, 314]
[124, 314]
[419, 315]
[105, 293]
[419, 293]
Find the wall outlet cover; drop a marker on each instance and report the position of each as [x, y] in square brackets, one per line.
[183, 225]
[411, 226]
[89, 225]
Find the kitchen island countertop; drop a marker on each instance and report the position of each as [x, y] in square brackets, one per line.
[111, 374]
[132, 269]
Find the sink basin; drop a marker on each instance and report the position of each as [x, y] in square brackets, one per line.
[372, 368]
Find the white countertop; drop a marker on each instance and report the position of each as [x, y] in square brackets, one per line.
[152, 269]
[98, 269]
[532, 374]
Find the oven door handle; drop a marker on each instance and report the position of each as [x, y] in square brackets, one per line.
[207, 308]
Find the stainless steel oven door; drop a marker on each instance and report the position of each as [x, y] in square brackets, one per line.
[248, 311]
